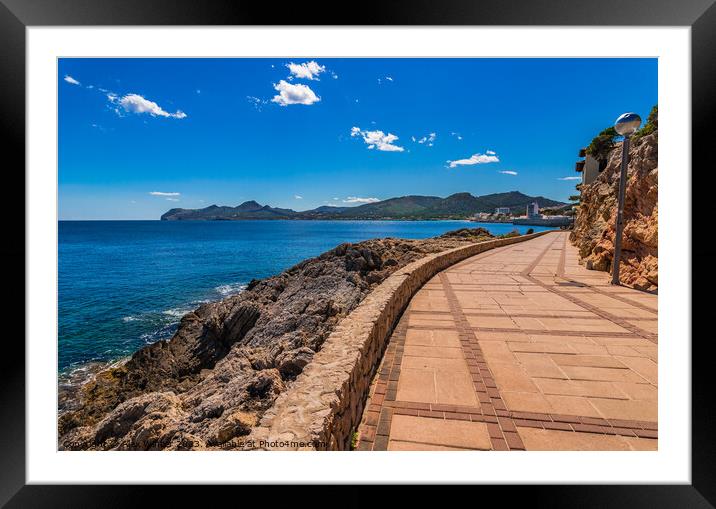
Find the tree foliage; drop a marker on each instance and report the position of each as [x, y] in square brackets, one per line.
[602, 144]
[652, 124]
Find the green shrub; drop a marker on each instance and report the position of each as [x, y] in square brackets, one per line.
[651, 126]
[602, 144]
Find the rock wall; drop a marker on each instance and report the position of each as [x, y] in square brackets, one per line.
[595, 223]
[325, 404]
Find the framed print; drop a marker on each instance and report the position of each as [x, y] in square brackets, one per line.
[420, 248]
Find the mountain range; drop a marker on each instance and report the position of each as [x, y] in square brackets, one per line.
[455, 206]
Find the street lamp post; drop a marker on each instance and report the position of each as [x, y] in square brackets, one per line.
[625, 125]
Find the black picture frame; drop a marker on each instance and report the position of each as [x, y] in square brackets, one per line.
[16, 15]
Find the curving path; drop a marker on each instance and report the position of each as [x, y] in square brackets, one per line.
[518, 348]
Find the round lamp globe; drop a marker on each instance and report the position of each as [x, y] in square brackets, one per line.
[627, 124]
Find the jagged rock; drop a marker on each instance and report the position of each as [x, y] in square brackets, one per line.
[265, 383]
[229, 360]
[291, 363]
[595, 224]
[237, 424]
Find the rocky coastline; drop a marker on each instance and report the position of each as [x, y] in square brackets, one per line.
[229, 360]
[595, 223]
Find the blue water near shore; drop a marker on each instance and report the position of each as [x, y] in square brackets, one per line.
[125, 284]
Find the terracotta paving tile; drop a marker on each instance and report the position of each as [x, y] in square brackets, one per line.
[432, 351]
[436, 338]
[417, 385]
[526, 402]
[455, 388]
[465, 434]
[626, 409]
[543, 347]
[491, 322]
[590, 348]
[638, 391]
[571, 405]
[580, 388]
[603, 374]
[398, 445]
[596, 361]
[540, 365]
[511, 377]
[436, 319]
[438, 364]
[644, 367]
[552, 440]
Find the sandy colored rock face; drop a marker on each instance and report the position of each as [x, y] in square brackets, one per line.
[595, 224]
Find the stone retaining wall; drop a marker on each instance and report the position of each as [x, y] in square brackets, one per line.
[324, 405]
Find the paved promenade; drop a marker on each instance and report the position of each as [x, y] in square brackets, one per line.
[519, 348]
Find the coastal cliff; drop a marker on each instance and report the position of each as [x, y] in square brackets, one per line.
[595, 223]
[229, 360]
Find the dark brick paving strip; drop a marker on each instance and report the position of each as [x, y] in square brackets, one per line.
[503, 435]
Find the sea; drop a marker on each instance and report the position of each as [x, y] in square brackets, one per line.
[126, 284]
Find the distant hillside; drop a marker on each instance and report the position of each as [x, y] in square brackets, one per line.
[456, 206]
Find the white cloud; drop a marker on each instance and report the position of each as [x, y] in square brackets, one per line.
[457, 135]
[307, 70]
[293, 94]
[508, 172]
[70, 79]
[172, 199]
[427, 140]
[160, 193]
[356, 199]
[298, 197]
[570, 178]
[335, 198]
[135, 103]
[389, 78]
[488, 157]
[378, 140]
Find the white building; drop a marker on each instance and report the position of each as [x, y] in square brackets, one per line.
[533, 210]
[502, 210]
[589, 167]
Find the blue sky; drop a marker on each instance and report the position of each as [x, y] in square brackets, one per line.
[140, 136]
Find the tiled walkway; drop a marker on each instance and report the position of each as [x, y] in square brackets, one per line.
[519, 348]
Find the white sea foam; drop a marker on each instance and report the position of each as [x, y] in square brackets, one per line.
[130, 318]
[230, 289]
[177, 312]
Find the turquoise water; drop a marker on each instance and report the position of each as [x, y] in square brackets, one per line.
[125, 284]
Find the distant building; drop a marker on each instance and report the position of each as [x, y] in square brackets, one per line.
[502, 210]
[533, 210]
[590, 168]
